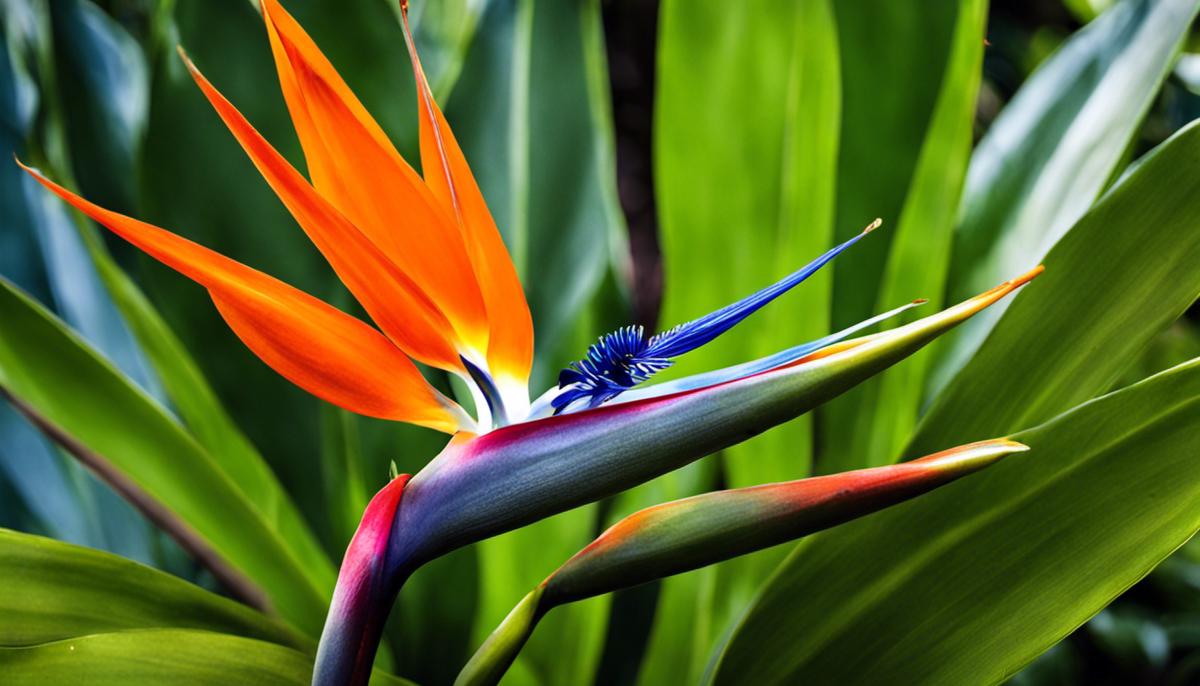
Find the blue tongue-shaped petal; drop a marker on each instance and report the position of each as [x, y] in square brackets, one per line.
[762, 364]
[687, 337]
[625, 358]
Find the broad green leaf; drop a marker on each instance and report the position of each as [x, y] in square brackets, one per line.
[57, 591]
[890, 54]
[970, 583]
[746, 141]
[875, 420]
[1178, 343]
[127, 436]
[746, 191]
[1122, 274]
[151, 656]
[532, 114]
[1054, 148]
[44, 253]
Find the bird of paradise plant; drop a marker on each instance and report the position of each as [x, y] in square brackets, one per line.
[422, 254]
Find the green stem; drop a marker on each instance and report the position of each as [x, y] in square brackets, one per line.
[497, 653]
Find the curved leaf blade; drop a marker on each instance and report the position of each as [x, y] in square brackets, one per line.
[1054, 148]
[58, 379]
[58, 591]
[1122, 274]
[194, 658]
[870, 426]
[970, 583]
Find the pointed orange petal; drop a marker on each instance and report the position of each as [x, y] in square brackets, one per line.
[359, 171]
[397, 304]
[317, 347]
[510, 346]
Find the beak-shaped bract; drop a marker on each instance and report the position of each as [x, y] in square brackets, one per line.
[695, 532]
[486, 485]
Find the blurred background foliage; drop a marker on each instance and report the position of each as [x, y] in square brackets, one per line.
[646, 161]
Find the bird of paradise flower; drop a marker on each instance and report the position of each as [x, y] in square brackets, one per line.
[423, 256]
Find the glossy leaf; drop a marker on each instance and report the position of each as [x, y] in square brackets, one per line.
[876, 420]
[193, 658]
[886, 113]
[972, 582]
[59, 591]
[1122, 274]
[1055, 147]
[76, 393]
[747, 189]
[43, 252]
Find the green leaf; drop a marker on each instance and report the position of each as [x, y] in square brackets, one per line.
[970, 583]
[152, 656]
[1055, 148]
[889, 52]
[43, 252]
[746, 139]
[876, 419]
[137, 446]
[746, 190]
[1116, 279]
[173, 656]
[60, 591]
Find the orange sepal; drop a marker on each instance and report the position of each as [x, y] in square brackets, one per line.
[397, 303]
[510, 346]
[315, 346]
[354, 166]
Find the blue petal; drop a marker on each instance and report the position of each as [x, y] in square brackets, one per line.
[687, 337]
[760, 365]
[625, 358]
